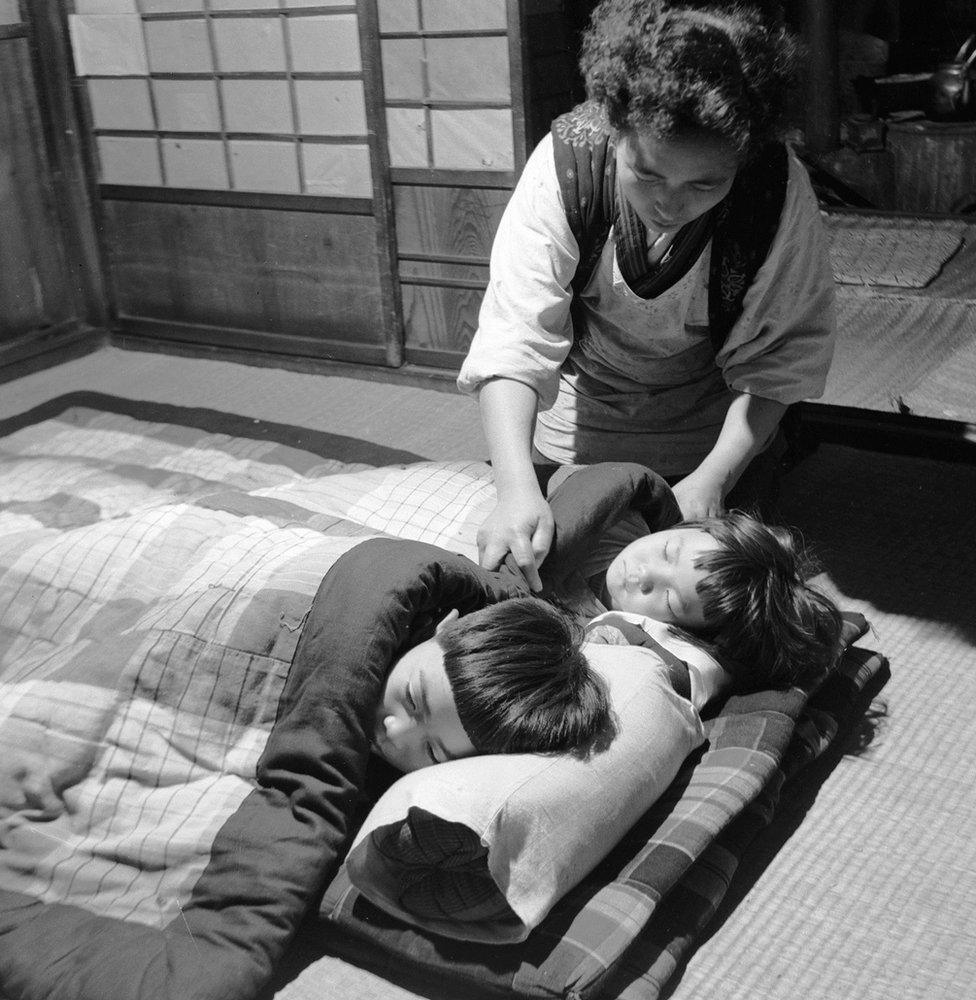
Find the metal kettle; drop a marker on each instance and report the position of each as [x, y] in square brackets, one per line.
[952, 94]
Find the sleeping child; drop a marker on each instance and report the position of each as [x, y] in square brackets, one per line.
[355, 690]
[397, 667]
[509, 678]
[734, 587]
[731, 588]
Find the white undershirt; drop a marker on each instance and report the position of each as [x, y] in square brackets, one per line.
[708, 679]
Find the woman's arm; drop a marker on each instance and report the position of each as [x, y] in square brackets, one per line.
[521, 522]
[749, 425]
[778, 352]
[524, 334]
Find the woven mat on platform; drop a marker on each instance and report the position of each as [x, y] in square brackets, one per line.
[901, 252]
[893, 350]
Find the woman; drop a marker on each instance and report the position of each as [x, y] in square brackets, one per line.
[660, 288]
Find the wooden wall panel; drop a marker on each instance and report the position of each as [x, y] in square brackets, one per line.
[292, 274]
[444, 237]
[933, 166]
[450, 221]
[440, 323]
[450, 273]
[35, 293]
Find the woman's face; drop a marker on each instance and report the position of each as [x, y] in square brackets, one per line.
[671, 182]
[656, 576]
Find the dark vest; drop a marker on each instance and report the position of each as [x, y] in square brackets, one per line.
[742, 226]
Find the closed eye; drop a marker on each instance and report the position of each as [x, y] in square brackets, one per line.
[645, 177]
[410, 700]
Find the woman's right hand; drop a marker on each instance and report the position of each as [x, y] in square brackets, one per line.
[523, 525]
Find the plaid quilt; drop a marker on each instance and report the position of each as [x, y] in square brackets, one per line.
[155, 577]
[154, 582]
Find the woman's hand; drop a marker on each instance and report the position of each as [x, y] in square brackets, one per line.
[699, 496]
[749, 425]
[521, 524]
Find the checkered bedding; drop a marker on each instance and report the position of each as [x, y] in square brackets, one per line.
[154, 581]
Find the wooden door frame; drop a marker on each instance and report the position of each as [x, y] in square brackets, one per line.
[70, 157]
[379, 158]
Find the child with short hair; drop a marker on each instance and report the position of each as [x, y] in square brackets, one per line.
[509, 678]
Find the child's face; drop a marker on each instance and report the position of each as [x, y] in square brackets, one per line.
[417, 723]
[656, 576]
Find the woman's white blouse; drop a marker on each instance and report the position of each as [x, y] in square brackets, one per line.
[642, 383]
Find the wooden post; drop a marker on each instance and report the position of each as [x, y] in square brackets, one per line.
[379, 158]
[819, 31]
[74, 187]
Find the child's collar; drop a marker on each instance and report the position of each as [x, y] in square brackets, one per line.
[708, 678]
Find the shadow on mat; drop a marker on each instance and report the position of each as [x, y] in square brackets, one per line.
[336, 446]
[890, 529]
[864, 725]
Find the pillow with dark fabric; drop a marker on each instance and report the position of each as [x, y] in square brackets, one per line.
[629, 921]
[442, 868]
[544, 820]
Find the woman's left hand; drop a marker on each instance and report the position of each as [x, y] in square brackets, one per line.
[749, 425]
[699, 496]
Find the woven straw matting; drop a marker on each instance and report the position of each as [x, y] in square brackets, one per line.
[914, 351]
[907, 253]
[864, 887]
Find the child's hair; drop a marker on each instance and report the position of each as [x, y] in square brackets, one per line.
[765, 622]
[520, 680]
[677, 68]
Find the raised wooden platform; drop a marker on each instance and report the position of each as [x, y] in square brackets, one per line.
[910, 351]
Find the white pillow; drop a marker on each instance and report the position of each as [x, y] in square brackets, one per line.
[540, 823]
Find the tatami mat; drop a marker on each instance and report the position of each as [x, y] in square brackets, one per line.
[900, 351]
[433, 422]
[865, 886]
[900, 252]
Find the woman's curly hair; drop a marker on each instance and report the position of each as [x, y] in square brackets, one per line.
[670, 68]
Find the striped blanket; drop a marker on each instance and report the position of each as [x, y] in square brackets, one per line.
[154, 581]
